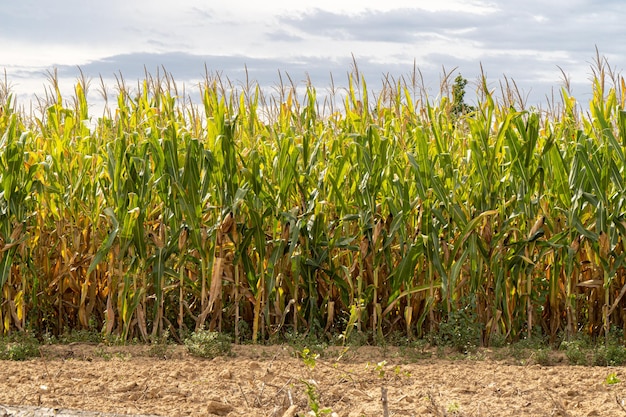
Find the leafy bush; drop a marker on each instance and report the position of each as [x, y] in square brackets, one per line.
[609, 355]
[160, 346]
[20, 347]
[575, 352]
[461, 331]
[207, 344]
[542, 357]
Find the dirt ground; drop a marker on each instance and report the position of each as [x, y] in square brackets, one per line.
[274, 381]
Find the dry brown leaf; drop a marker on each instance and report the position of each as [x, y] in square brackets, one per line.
[215, 292]
[141, 321]
[591, 283]
[538, 225]
[227, 224]
[604, 244]
[110, 316]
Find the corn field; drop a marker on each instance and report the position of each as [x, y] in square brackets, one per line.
[259, 214]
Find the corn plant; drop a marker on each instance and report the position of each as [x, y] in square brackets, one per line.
[255, 214]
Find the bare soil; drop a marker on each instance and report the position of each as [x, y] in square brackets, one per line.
[275, 381]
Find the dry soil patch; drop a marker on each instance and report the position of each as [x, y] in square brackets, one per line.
[273, 381]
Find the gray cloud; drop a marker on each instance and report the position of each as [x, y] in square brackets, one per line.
[48, 22]
[398, 26]
[265, 71]
[538, 26]
[282, 35]
[526, 42]
[269, 73]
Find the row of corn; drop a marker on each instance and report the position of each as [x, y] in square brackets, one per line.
[365, 212]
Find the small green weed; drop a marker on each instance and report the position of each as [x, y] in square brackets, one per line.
[102, 353]
[299, 342]
[398, 371]
[453, 407]
[79, 336]
[309, 358]
[416, 350]
[612, 379]
[313, 396]
[159, 348]
[378, 368]
[497, 340]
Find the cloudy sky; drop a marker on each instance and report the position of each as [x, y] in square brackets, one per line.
[525, 41]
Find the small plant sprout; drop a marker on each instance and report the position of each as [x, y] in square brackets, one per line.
[398, 371]
[309, 358]
[453, 407]
[380, 367]
[313, 396]
[612, 379]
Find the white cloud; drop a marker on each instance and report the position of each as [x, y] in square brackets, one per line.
[526, 41]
